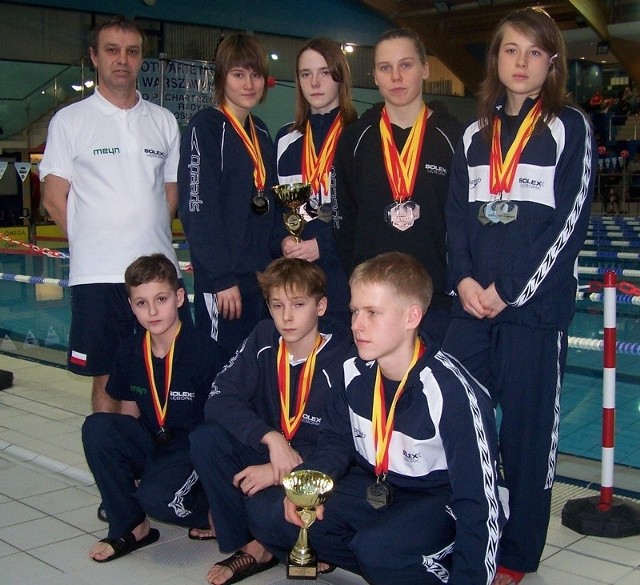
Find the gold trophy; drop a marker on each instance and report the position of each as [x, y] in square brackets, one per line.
[306, 489]
[293, 195]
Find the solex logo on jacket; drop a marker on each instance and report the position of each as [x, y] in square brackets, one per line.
[154, 153]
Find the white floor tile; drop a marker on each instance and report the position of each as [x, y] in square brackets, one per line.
[632, 578]
[35, 533]
[69, 556]
[7, 549]
[598, 570]
[22, 568]
[59, 501]
[22, 483]
[550, 576]
[608, 551]
[84, 518]
[14, 512]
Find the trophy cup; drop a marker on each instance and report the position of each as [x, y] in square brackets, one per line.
[293, 195]
[306, 489]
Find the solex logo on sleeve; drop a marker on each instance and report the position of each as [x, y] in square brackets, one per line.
[154, 153]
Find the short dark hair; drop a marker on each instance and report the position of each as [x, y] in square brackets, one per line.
[296, 276]
[404, 274]
[239, 50]
[153, 268]
[119, 22]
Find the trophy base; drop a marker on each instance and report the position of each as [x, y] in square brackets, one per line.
[306, 571]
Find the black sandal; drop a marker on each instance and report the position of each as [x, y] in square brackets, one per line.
[102, 513]
[243, 565]
[126, 544]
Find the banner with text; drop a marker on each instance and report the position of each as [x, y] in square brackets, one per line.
[187, 88]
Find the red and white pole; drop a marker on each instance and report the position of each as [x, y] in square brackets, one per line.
[608, 392]
[604, 515]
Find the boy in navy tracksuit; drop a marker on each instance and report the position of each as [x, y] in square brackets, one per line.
[140, 456]
[410, 443]
[264, 410]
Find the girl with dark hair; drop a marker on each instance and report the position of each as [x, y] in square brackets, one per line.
[304, 154]
[517, 214]
[225, 201]
[392, 172]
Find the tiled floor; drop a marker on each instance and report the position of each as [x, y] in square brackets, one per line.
[48, 503]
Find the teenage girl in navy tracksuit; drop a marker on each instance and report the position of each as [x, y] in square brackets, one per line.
[513, 242]
[304, 153]
[225, 200]
[367, 192]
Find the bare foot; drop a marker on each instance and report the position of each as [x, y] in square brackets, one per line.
[325, 567]
[219, 574]
[201, 533]
[103, 550]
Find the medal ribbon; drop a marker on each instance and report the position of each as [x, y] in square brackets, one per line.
[316, 168]
[289, 424]
[160, 409]
[402, 168]
[252, 145]
[383, 423]
[502, 171]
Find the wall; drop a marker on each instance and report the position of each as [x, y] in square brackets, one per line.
[347, 20]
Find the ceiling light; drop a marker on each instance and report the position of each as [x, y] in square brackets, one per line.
[274, 56]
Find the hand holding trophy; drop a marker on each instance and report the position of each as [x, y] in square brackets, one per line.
[293, 195]
[306, 489]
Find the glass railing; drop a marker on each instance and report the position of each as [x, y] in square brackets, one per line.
[69, 85]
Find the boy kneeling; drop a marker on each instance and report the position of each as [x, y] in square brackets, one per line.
[140, 456]
[264, 411]
[411, 445]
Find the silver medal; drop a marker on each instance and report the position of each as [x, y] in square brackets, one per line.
[402, 216]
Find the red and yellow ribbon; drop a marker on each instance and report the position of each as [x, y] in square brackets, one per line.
[402, 168]
[383, 423]
[316, 167]
[160, 409]
[251, 144]
[290, 424]
[503, 170]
